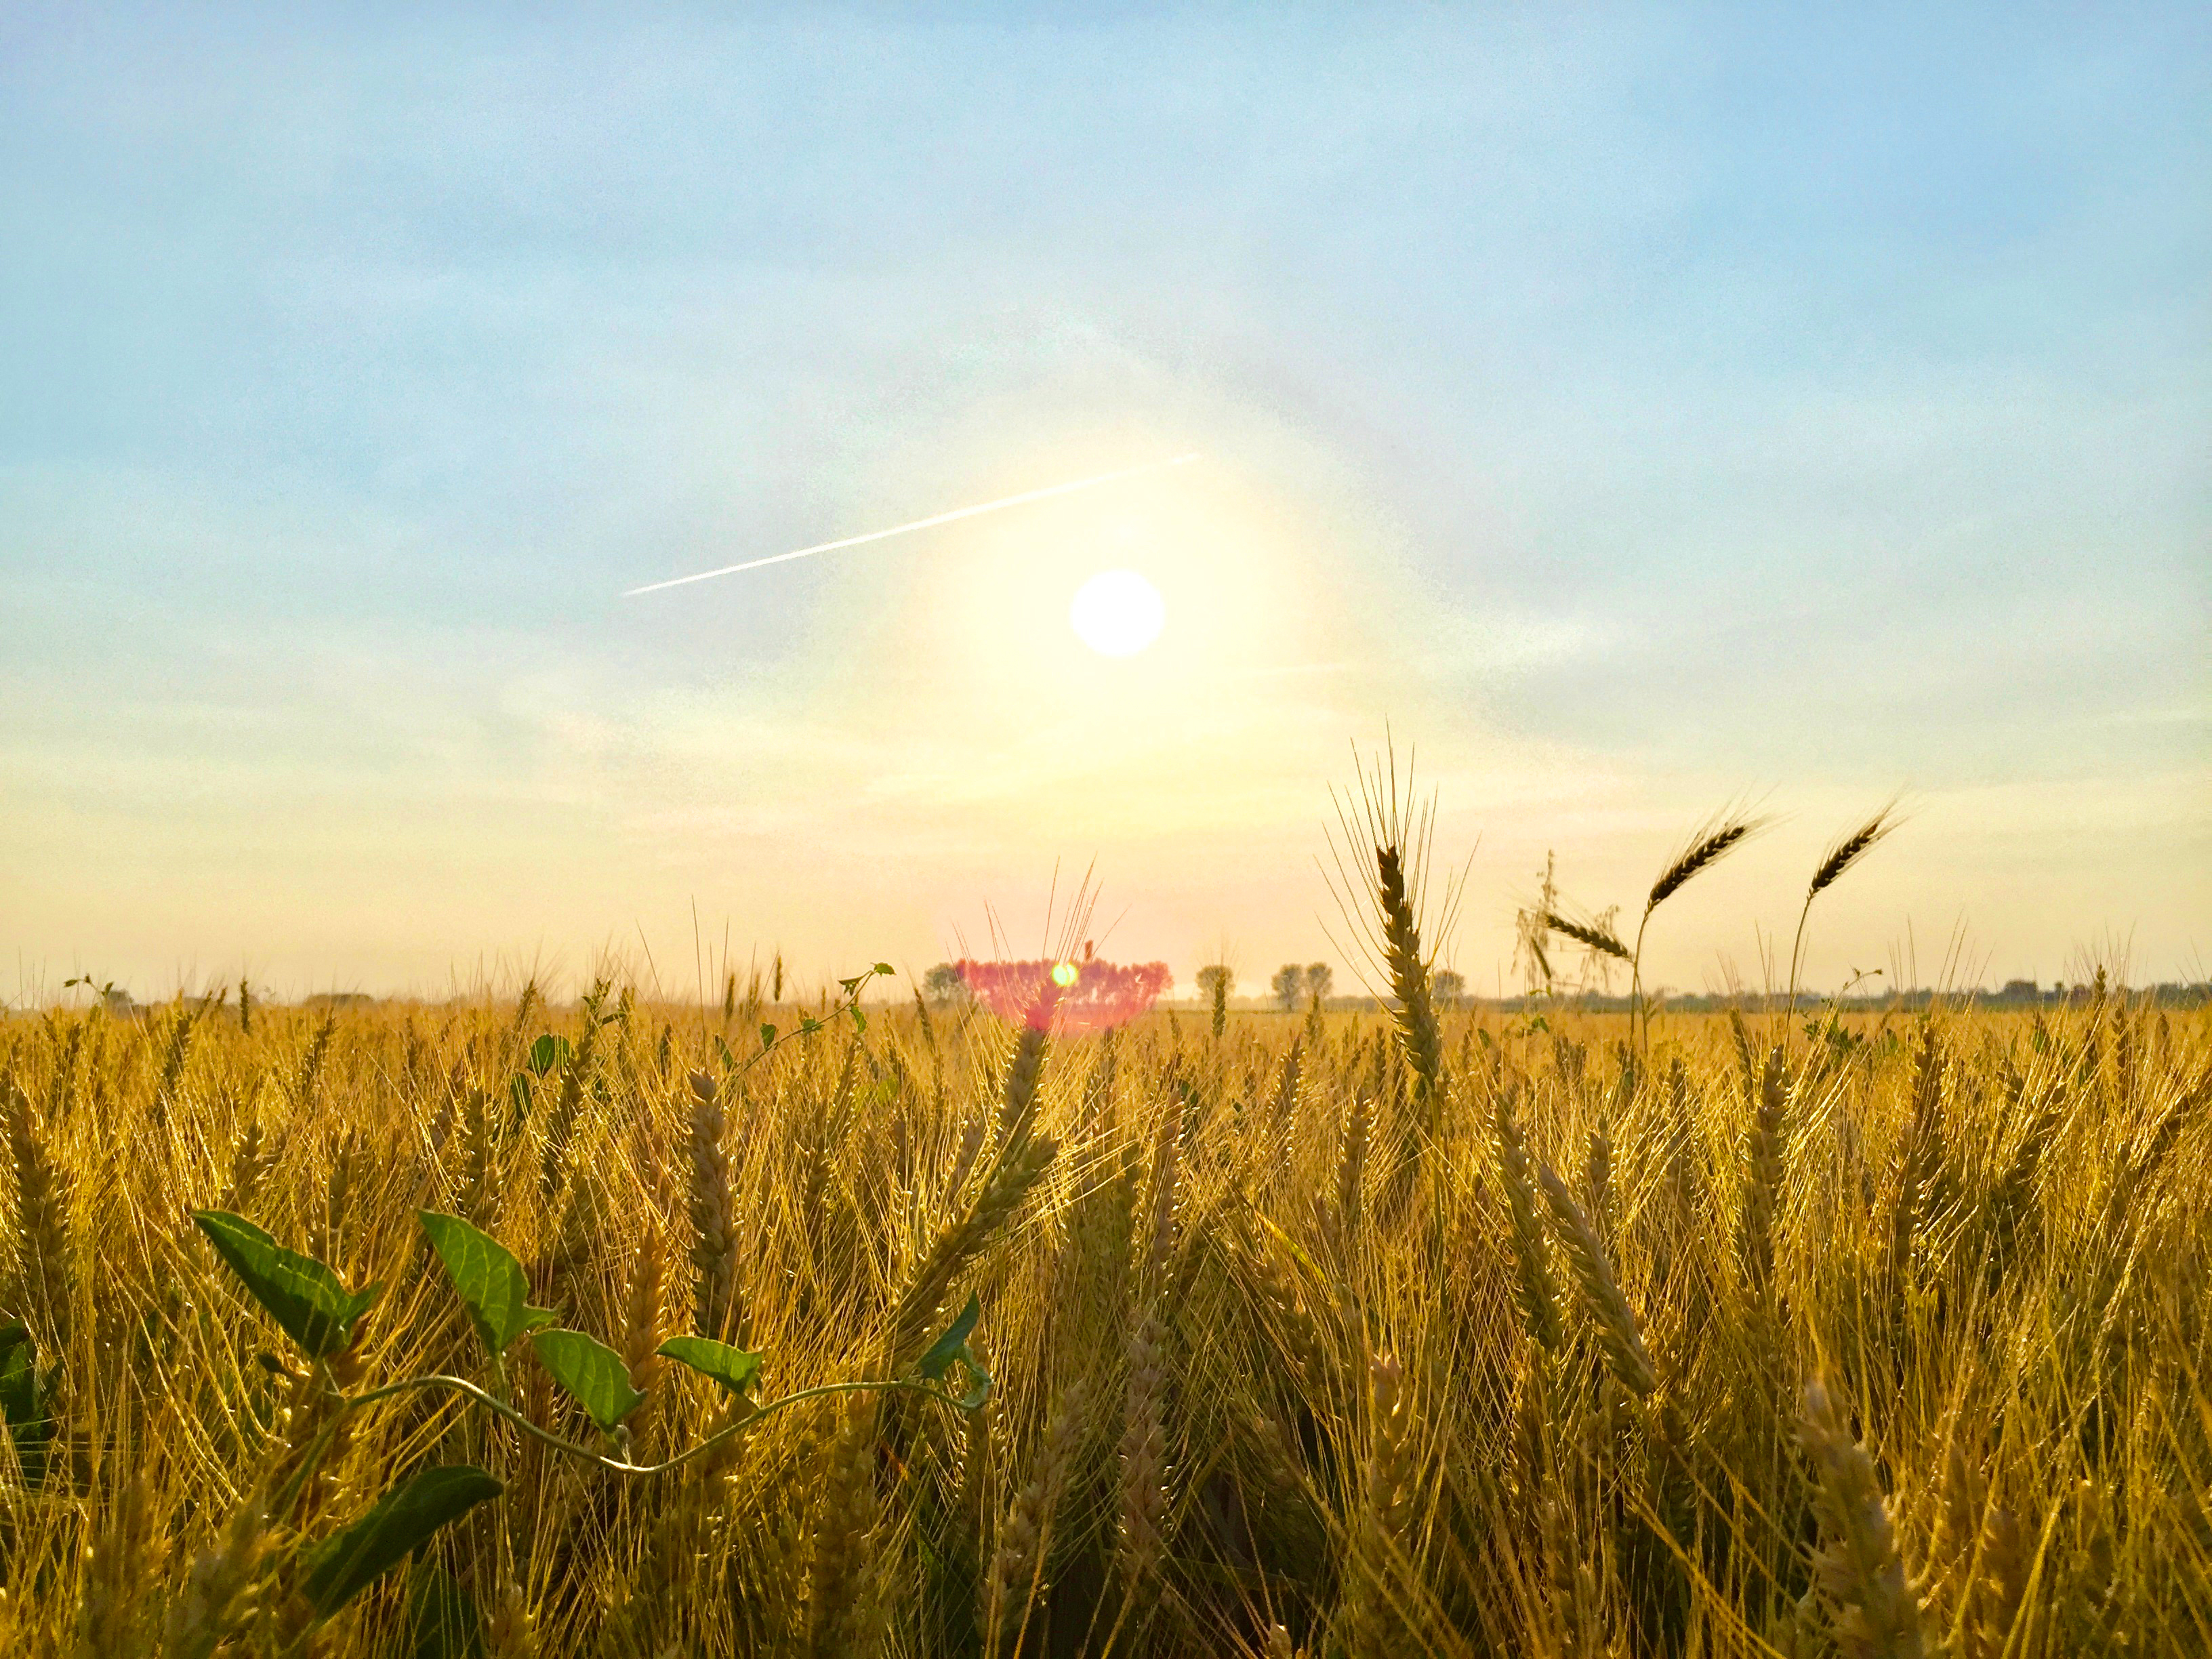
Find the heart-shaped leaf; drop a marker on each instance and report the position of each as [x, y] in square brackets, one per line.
[23, 1393]
[18, 1375]
[489, 1278]
[951, 1347]
[300, 1293]
[24, 1399]
[592, 1371]
[735, 1369]
[404, 1519]
[767, 1035]
[548, 1054]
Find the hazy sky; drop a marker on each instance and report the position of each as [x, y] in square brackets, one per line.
[1635, 409]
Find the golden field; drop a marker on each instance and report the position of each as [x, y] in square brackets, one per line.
[1310, 1335]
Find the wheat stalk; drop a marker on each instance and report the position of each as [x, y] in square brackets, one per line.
[1351, 1175]
[1619, 1338]
[842, 1609]
[569, 1105]
[1409, 982]
[1384, 912]
[1874, 1609]
[643, 1329]
[1588, 934]
[1917, 1166]
[1763, 1172]
[308, 1079]
[1540, 1301]
[120, 1563]
[250, 1158]
[1025, 1071]
[1840, 856]
[1708, 843]
[217, 1595]
[1143, 1455]
[1379, 1528]
[1016, 1563]
[42, 1229]
[914, 1317]
[717, 1310]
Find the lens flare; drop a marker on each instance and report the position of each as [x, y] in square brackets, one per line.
[1066, 997]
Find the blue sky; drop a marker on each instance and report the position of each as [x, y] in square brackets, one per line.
[1635, 407]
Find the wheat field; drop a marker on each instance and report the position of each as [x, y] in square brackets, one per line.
[1410, 1331]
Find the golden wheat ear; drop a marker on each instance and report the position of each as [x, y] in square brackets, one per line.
[1850, 849]
[1860, 1573]
[1839, 857]
[1708, 845]
[1586, 933]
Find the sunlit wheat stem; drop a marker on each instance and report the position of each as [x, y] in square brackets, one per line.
[1619, 1338]
[1707, 846]
[1874, 1609]
[1839, 857]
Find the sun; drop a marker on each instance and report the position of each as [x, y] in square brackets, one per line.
[1117, 613]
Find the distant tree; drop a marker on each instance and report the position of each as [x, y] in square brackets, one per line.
[1449, 988]
[1214, 982]
[1290, 979]
[1319, 977]
[943, 984]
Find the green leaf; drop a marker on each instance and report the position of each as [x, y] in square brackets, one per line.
[592, 1371]
[953, 1346]
[18, 1375]
[300, 1293]
[442, 1621]
[548, 1053]
[488, 1280]
[24, 1401]
[885, 969]
[404, 1519]
[808, 1024]
[735, 1369]
[722, 1047]
[518, 1095]
[859, 1020]
[768, 1035]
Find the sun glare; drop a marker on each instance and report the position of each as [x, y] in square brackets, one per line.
[1117, 613]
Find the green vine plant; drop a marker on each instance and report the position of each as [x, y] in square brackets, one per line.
[325, 1320]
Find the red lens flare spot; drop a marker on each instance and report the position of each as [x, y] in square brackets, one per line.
[1067, 997]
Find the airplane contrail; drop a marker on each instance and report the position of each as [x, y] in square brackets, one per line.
[919, 524]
